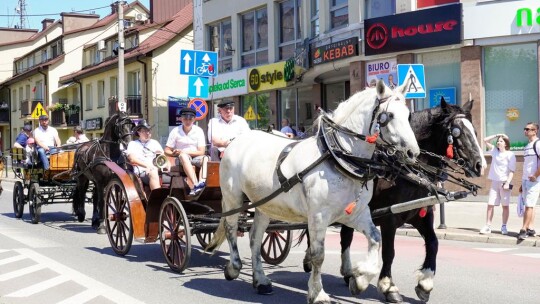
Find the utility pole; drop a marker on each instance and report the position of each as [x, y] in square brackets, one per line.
[122, 106]
[21, 11]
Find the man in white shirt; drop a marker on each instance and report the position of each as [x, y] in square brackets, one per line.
[47, 139]
[78, 136]
[223, 129]
[187, 142]
[530, 183]
[141, 154]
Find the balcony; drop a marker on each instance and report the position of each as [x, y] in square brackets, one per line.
[63, 115]
[4, 114]
[134, 106]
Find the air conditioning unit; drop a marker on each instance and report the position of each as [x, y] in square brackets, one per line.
[140, 17]
[101, 45]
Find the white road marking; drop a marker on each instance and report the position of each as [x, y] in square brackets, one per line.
[11, 260]
[4, 250]
[38, 287]
[496, 249]
[529, 255]
[81, 297]
[66, 273]
[20, 272]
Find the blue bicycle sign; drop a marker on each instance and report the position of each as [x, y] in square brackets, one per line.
[198, 63]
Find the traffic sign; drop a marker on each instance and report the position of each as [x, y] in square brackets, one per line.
[198, 87]
[200, 106]
[198, 63]
[38, 111]
[122, 106]
[250, 114]
[417, 84]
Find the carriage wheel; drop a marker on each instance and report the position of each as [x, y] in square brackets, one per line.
[118, 217]
[18, 199]
[34, 203]
[275, 246]
[174, 234]
[204, 238]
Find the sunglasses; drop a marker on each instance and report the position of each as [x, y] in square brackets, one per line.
[528, 129]
[188, 116]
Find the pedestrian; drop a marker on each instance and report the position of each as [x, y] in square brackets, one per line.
[530, 186]
[223, 129]
[501, 172]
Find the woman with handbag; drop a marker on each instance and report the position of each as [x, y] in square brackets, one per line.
[501, 172]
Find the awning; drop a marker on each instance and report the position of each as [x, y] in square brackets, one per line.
[65, 86]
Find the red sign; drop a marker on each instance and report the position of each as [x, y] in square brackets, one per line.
[334, 51]
[426, 3]
[200, 107]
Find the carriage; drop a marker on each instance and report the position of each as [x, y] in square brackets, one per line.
[38, 187]
[133, 212]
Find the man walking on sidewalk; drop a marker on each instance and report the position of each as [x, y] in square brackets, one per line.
[530, 186]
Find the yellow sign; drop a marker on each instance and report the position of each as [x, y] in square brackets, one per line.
[512, 114]
[250, 114]
[267, 77]
[38, 111]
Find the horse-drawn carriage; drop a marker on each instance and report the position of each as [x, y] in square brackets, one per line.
[38, 187]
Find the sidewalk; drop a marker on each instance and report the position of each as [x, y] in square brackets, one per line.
[463, 219]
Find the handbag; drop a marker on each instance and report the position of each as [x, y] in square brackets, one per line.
[520, 205]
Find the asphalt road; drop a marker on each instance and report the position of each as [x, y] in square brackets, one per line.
[63, 261]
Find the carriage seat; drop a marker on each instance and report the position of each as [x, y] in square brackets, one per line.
[212, 172]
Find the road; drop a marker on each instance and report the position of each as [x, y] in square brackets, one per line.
[63, 261]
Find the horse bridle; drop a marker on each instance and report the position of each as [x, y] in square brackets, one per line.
[119, 127]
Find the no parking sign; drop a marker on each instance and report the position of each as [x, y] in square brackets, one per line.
[200, 106]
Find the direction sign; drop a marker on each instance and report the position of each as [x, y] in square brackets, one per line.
[417, 80]
[200, 106]
[198, 87]
[198, 63]
[38, 111]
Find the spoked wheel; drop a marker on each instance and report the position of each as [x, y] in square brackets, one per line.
[118, 217]
[34, 203]
[204, 238]
[174, 234]
[18, 199]
[275, 246]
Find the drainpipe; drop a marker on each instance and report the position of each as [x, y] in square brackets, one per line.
[10, 126]
[81, 111]
[145, 77]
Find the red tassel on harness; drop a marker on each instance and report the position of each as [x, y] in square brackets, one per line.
[372, 139]
[450, 151]
[350, 207]
[422, 212]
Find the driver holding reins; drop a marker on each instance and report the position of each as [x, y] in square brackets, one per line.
[141, 154]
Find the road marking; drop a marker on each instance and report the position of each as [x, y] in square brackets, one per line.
[66, 273]
[11, 260]
[38, 287]
[81, 297]
[31, 241]
[529, 255]
[20, 272]
[496, 250]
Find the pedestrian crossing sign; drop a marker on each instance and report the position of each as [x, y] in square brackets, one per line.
[38, 111]
[414, 73]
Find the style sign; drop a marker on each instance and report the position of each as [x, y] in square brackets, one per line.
[198, 63]
[270, 76]
[414, 74]
[198, 87]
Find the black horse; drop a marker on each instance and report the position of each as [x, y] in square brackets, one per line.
[440, 131]
[89, 166]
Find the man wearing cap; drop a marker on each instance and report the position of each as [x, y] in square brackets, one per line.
[187, 142]
[46, 140]
[20, 141]
[141, 154]
[223, 129]
[78, 136]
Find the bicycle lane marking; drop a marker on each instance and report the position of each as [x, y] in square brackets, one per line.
[93, 287]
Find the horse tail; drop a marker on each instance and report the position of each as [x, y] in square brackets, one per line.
[219, 237]
[301, 237]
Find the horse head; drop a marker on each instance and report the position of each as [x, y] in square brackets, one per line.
[118, 129]
[461, 138]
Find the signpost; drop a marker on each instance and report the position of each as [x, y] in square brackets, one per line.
[198, 63]
[417, 80]
[198, 87]
[200, 106]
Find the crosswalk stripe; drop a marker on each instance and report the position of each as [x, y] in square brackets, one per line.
[11, 259]
[20, 272]
[81, 297]
[529, 255]
[38, 287]
[496, 249]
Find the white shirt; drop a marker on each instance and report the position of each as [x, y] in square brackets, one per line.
[501, 165]
[178, 139]
[46, 137]
[530, 161]
[222, 130]
[74, 140]
[145, 152]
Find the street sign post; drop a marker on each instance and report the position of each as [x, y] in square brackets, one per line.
[38, 111]
[414, 73]
[198, 63]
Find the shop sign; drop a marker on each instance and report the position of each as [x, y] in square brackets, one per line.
[435, 95]
[94, 124]
[414, 30]
[382, 69]
[271, 76]
[428, 3]
[524, 17]
[512, 114]
[229, 84]
[334, 51]
[175, 104]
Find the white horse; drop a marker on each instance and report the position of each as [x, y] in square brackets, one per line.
[323, 194]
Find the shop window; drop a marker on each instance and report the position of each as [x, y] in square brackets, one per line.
[221, 41]
[256, 110]
[511, 85]
[254, 38]
[380, 8]
[339, 14]
[290, 35]
[314, 18]
[335, 93]
[297, 106]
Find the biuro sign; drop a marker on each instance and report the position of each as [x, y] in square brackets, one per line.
[270, 77]
[334, 51]
[414, 30]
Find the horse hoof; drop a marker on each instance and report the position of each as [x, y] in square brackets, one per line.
[231, 273]
[421, 293]
[307, 267]
[265, 289]
[347, 279]
[393, 297]
[353, 288]
[101, 230]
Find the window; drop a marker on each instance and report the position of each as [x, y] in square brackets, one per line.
[101, 93]
[339, 14]
[27, 92]
[511, 84]
[38, 90]
[132, 41]
[290, 35]
[30, 61]
[134, 84]
[314, 18]
[56, 49]
[255, 38]
[379, 8]
[256, 109]
[335, 93]
[221, 41]
[44, 55]
[113, 86]
[14, 101]
[89, 97]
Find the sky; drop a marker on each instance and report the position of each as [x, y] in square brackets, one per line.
[52, 9]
